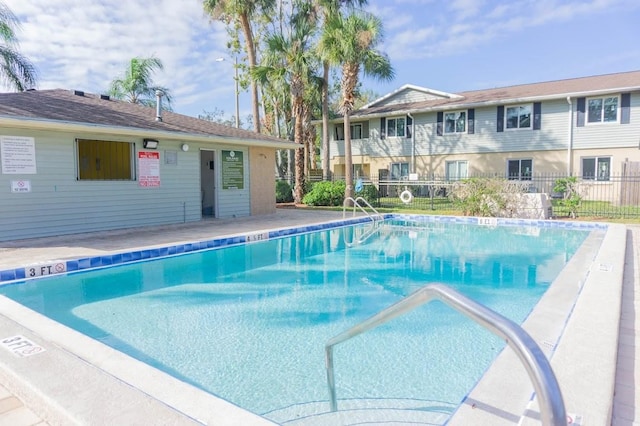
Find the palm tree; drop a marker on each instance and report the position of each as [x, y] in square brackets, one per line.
[136, 85]
[241, 12]
[290, 58]
[350, 41]
[329, 9]
[15, 70]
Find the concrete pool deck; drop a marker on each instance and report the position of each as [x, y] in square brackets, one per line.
[39, 390]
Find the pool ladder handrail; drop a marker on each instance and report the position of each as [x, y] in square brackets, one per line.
[376, 218]
[356, 204]
[552, 409]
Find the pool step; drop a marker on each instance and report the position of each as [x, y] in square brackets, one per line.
[369, 411]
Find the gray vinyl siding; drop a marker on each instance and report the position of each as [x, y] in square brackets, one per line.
[553, 135]
[609, 135]
[60, 204]
[408, 96]
[373, 145]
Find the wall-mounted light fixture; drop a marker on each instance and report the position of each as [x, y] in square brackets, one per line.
[184, 147]
[150, 143]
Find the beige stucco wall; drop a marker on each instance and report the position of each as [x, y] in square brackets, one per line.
[262, 180]
[544, 162]
[618, 156]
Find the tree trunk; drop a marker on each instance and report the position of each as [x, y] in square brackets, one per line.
[251, 55]
[348, 161]
[326, 167]
[298, 136]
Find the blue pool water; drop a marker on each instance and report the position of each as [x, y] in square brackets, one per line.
[249, 323]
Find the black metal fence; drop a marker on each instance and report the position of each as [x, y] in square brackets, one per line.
[617, 196]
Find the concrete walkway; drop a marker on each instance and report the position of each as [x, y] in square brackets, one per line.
[626, 403]
[19, 409]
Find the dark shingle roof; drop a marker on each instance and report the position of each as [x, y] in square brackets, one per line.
[83, 108]
[546, 90]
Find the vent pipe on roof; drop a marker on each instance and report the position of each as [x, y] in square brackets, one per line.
[159, 105]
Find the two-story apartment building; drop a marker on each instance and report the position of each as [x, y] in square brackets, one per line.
[587, 127]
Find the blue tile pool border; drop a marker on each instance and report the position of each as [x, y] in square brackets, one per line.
[57, 267]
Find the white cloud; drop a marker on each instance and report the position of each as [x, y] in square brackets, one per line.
[77, 44]
[82, 44]
[464, 9]
[459, 25]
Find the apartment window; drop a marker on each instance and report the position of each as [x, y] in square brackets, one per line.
[358, 170]
[399, 171]
[104, 160]
[358, 131]
[455, 122]
[396, 127]
[596, 168]
[520, 169]
[518, 117]
[602, 110]
[457, 170]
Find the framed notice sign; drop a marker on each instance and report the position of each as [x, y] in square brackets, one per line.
[232, 170]
[18, 154]
[149, 169]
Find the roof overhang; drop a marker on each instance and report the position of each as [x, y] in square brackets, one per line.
[68, 126]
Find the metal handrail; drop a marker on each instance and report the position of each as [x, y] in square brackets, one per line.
[357, 204]
[552, 408]
[373, 218]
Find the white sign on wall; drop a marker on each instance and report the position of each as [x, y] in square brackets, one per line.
[18, 155]
[20, 186]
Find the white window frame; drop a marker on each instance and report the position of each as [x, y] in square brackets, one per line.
[521, 175]
[601, 118]
[519, 107]
[399, 165]
[398, 132]
[353, 128]
[458, 164]
[458, 116]
[600, 175]
[340, 131]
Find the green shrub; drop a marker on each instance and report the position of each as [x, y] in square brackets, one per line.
[369, 193]
[491, 197]
[283, 192]
[571, 196]
[325, 194]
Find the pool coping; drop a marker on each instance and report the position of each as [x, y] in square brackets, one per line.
[111, 365]
[582, 347]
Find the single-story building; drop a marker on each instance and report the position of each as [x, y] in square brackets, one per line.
[77, 162]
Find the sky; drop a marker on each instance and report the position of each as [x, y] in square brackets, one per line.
[451, 46]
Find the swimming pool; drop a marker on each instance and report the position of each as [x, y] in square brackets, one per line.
[350, 283]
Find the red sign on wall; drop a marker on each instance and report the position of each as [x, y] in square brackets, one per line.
[148, 169]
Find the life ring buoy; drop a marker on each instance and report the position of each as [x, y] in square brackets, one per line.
[406, 196]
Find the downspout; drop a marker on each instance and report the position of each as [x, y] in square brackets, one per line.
[413, 143]
[570, 138]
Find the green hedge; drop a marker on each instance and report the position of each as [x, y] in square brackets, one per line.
[283, 192]
[325, 194]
